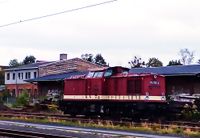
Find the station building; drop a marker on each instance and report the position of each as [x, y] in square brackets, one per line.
[35, 77]
[180, 79]
[15, 78]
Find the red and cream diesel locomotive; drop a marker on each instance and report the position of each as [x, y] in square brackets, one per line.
[112, 91]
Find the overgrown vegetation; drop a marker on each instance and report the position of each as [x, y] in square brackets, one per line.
[144, 127]
[22, 100]
[4, 96]
[190, 113]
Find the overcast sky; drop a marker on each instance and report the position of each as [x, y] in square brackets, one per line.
[119, 30]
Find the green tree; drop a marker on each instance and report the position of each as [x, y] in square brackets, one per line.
[29, 59]
[100, 60]
[137, 62]
[154, 62]
[14, 63]
[174, 63]
[88, 57]
[187, 56]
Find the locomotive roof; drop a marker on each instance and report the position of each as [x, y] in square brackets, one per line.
[106, 68]
[98, 69]
[180, 70]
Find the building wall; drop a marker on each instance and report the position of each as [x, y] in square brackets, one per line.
[183, 84]
[52, 86]
[15, 90]
[19, 76]
[15, 81]
[65, 65]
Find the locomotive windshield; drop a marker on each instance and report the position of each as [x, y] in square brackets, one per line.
[90, 75]
[108, 73]
[98, 74]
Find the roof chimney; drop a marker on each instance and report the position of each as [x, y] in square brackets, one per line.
[63, 56]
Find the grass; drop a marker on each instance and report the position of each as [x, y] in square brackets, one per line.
[145, 127]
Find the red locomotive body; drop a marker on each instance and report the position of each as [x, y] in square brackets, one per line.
[111, 90]
[115, 84]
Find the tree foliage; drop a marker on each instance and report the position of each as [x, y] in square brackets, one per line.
[88, 57]
[136, 62]
[100, 60]
[154, 62]
[14, 63]
[187, 56]
[174, 63]
[29, 60]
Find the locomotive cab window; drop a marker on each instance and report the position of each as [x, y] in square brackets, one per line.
[98, 74]
[125, 73]
[90, 75]
[108, 73]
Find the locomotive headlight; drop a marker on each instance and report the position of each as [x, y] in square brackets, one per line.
[163, 96]
[147, 96]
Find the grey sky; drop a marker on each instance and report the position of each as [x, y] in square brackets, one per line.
[119, 30]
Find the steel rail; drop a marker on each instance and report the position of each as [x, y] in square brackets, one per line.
[28, 134]
[93, 131]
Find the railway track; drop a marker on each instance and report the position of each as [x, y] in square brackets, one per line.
[82, 119]
[28, 134]
[77, 132]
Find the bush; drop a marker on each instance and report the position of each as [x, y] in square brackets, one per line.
[4, 96]
[22, 100]
[178, 131]
[190, 113]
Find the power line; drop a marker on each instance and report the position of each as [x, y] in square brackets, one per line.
[53, 14]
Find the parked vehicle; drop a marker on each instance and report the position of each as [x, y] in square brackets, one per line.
[113, 91]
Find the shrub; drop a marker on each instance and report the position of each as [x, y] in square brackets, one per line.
[178, 131]
[190, 113]
[4, 96]
[22, 99]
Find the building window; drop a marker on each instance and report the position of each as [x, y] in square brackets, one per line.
[22, 75]
[8, 76]
[28, 75]
[19, 75]
[35, 74]
[13, 76]
[13, 93]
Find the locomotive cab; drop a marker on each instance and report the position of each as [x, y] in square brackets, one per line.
[98, 81]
